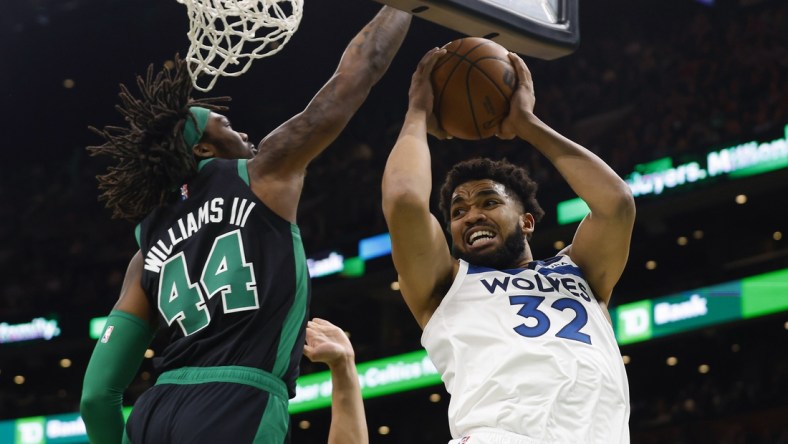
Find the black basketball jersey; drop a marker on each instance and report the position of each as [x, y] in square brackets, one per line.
[227, 275]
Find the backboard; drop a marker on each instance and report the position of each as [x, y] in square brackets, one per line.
[546, 29]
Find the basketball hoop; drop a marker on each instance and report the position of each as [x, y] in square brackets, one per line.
[228, 35]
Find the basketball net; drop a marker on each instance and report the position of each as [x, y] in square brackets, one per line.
[228, 35]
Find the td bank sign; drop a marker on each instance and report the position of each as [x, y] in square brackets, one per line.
[644, 320]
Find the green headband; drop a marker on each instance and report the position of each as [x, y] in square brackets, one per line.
[195, 125]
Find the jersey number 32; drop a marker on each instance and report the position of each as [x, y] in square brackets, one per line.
[530, 310]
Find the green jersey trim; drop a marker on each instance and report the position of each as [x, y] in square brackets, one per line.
[243, 170]
[254, 377]
[295, 317]
[203, 163]
[274, 423]
[137, 231]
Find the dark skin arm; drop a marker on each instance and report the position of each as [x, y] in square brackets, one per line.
[132, 297]
[277, 171]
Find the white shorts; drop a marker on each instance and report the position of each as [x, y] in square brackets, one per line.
[493, 436]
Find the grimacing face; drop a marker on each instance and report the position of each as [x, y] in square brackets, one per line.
[226, 143]
[488, 226]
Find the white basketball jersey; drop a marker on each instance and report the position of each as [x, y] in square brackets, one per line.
[531, 352]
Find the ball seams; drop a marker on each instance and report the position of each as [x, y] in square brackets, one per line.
[483, 81]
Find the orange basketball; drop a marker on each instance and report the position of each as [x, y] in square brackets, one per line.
[472, 84]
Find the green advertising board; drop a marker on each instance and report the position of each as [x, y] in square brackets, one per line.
[639, 321]
[764, 294]
[653, 178]
[377, 378]
[741, 299]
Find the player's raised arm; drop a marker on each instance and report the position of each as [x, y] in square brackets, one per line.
[327, 343]
[601, 243]
[278, 169]
[421, 255]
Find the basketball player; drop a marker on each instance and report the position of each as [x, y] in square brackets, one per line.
[524, 346]
[221, 269]
[327, 343]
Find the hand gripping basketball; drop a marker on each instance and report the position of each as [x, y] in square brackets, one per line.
[472, 86]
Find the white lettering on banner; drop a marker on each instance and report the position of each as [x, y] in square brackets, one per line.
[38, 328]
[724, 161]
[391, 374]
[746, 155]
[427, 367]
[635, 321]
[325, 388]
[65, 429]
[334, 263]
[665, 312]
[375, 376]
[31, 433]
[306, 393]
[656, 182]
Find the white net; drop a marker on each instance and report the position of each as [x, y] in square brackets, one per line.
[228, 35]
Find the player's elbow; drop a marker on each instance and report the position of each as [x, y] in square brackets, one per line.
[402, 196]
[97, 397]
[91, 404]
[622, 203]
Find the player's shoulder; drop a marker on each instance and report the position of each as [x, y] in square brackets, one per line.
[215, 164]
[550, 262]
[223, 171]
[560, 263]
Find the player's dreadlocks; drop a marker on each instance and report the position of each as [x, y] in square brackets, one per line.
[152, 159]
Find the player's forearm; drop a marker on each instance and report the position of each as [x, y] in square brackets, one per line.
[113, 364]
[348, 422]
[371, 51]
[288, 149]
[407, 178]
[588, 175]
[103, 417]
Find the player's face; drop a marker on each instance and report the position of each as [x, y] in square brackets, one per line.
[487, 225]
[225, 141]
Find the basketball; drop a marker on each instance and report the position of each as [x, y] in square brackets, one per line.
[472, 84]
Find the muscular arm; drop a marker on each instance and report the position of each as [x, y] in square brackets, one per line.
[277, 172]
[419, 250]
[132, 298]
[116, 359]
[601, 243]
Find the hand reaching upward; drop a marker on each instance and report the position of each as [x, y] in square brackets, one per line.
[327, 343]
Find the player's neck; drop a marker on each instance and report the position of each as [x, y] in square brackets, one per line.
[526, 258]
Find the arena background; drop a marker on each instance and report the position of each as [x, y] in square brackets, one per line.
[652, 79]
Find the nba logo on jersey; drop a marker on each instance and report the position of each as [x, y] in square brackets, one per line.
[184, 191]
[107, 332]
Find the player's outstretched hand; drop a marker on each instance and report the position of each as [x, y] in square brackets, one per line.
[325, 342]
[521, 108]
[421, 97]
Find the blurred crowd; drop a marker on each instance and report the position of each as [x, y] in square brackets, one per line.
[641, 91]
[671, 82]
[740, 397]
[698, 78]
